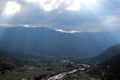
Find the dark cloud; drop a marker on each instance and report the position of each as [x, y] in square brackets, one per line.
[88, 18]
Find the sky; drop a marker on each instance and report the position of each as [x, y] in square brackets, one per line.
[62, 15]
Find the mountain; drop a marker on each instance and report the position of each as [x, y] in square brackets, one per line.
[111, 68]
[114, 61]
[108, 54]
[108, 64]
[47, 42]
[107, 70]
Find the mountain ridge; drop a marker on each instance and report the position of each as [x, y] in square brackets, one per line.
[48, 42]
[108, 54]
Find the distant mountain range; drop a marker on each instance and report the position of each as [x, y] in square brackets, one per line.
[47, 42]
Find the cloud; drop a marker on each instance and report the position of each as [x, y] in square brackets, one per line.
[111, 21]
[50, 5]
[56, 14]
[2, 4]
[65, 31]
